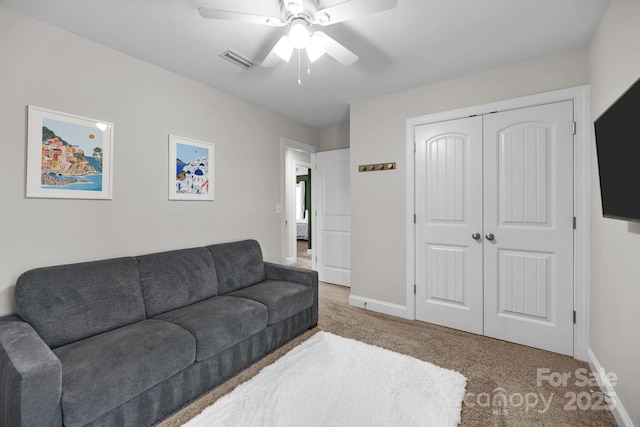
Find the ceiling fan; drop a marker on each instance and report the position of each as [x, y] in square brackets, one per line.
[300, 15]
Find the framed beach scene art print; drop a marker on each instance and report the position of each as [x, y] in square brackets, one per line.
[191, 165]
[68, 156]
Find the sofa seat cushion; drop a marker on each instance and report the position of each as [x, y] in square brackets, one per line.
[219, 322]
[104, 371]
[283, 299]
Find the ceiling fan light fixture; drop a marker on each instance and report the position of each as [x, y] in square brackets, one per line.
[315, 48]
[284, 48]
[299, 34]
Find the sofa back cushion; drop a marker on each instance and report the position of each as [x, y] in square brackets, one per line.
[239, 264]
[67, 303]
[175, 279]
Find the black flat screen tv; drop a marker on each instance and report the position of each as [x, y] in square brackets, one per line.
[618, 147]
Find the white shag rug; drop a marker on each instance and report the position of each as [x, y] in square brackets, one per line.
[329, 380]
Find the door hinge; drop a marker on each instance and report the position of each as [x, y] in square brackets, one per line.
[415, 220]
[575, 223]
[414, 289]
[414, 147]
[575, 125]
[574, 317]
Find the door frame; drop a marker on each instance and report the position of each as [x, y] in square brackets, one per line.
[580, 97]
[281, 208]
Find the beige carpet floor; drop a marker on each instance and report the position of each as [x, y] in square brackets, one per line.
[304, 257]
[501, 376]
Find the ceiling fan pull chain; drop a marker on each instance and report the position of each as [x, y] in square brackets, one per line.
[299, 79]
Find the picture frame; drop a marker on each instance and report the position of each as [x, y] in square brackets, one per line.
[191, 169]
[68, 156]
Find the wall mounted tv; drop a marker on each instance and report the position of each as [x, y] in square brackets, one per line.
[618, 147]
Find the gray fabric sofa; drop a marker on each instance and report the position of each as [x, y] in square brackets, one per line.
[126, 341]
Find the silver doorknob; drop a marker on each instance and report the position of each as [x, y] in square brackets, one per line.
[489, 236]
[476, 236]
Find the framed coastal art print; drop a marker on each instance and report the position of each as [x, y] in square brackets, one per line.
[191, 166]
[68, 156]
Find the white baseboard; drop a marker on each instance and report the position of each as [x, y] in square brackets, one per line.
[378, 306]
[290, 260]
[619, 413]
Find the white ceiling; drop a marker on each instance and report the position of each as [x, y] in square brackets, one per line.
[417, 43]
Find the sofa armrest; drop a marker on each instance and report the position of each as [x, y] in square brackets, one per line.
[296, 275]
[30, 378]
[291, 274]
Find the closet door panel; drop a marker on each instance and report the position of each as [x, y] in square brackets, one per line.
[528, 209]
[449, 212]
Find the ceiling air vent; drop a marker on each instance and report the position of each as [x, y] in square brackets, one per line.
[237, 59]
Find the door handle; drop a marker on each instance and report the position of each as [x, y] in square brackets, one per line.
[489, 236]
[476, 236]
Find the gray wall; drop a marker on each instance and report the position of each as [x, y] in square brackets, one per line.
[614, 64]
[46, 67]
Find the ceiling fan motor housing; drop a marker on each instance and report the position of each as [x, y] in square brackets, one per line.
[292, 9]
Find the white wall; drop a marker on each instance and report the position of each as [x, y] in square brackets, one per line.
[43, 66]
[378, 135]
[614, 64]
[334, 138]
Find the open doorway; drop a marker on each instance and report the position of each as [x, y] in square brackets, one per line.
[303, 217]
[297, 222]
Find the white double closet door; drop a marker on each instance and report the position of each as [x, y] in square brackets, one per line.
[494, 225]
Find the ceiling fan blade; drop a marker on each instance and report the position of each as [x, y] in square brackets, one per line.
[350, 9]
[271, 60]
[282, 50]
[336, 50]
[228, 15]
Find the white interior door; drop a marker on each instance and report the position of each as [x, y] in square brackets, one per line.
[528, 188]
[448, 215]
[494, 225]
[332, 201]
